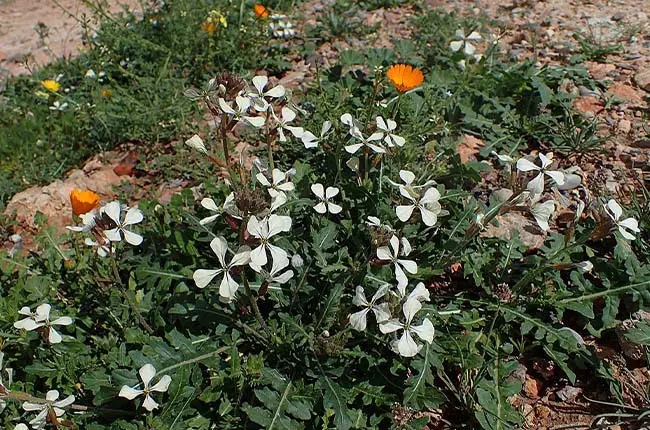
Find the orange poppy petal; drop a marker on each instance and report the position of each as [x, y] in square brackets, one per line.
[83, 201]
[405, 77]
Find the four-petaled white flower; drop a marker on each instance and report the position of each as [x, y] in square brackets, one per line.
[542, 213]
[263, 229]
[88, 221]
[280, 184]
[406, 345]
[355, 132]
[147, 373]
[464, 42]
[325, 205]
[103, 250]
[57, 105]
[427, 204]
[386, 133]
[228, 286]
[54, 406]
[625, 226]
[274, 276]
[384, 253]
[210, 205]
[41, 318]
[241, 113]
[420, 293]
[282, 124]
[381, 311]
[536, 185]
[133, 216]
[257, 97]
[310, 140]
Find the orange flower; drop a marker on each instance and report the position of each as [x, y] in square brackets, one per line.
[83, 201]
[106, 92]
[260, 11]
[404, 77]
[209, 27]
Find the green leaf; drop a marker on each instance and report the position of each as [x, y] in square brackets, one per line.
[333, 398]
[640, 333]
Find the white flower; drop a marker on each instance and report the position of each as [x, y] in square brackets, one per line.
[381, 311]
[257, 98]
[21, 426]
[281, 182]
[384, 253]
[281, 26]
[325, 205]
[210, 205]
[387, 127]
[147, 373]
[428, 204]
[504, 159]
[54, 405]
[4, 385]
[373, 221]
[355, 132]
[464, 42]
[243, 104]
[542, 212]
[195, 142]
[133, 216]
[282, 124]
[584, 266]
[59, 106]
[41, 318]
[228, 286]
[536, 185]
[311, 141]
[90, 73]
[614, 211]
[274, 276]
[406, 345]
[263, 230]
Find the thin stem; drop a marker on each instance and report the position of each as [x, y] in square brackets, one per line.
[253, 300]
[134, 309]
[195, 359]
[269, 142]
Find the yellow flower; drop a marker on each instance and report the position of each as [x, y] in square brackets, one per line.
[209, 27]
[51, 85]
[212, 22]
[107, 92]
[404, 77]
[260, 11]
[83, 201]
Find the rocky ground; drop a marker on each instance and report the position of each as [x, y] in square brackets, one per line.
[543, 30]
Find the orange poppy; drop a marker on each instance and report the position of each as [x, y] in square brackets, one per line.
[405, 77]
[83, 201]
[209, 27]
[260, 11]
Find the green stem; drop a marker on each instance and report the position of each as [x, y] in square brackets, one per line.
[269, 144]
[125, 294]
[253, 300]
[195, 359]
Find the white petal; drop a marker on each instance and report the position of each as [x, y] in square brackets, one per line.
[43, 312]
[410, 308]
[288, 115]
[526, 165]
[27, 324]
[420, 293]
[456, 45]
[346, 119]
[255, 227]
[243, 103]
[277, 252]
[283, 278]
[543, 212]
[163, 384]
[381, 124]
[406, 247]
[331, 192]
[113, 235]
[132, 238]
[383, 253]
[279, 198]
[309, 139]
[558, 177]
[381, 292]
[62, 321]
[631, 224]
[133, 216]
[333, 208]
[149, 403]
[30, 407]
[626, 234]
[615, 208]
[242, 257]
[431, 195]
[318, 190]
[469, 48]
[429, 218]
[407, 176]
[278, 223]
[404, 212]
[376, 148]
[409, 265]
[360, 297]
[351, 149]
[220, 247]
[390, 326]
[208, 220]
[53, 336]
[407, 346]
[260, 82]
[378, 135]
[147, 373]
[382, 312]
[277, 91]
[536, 185]
[327, 126]
[546, 160]
[258, 256]
[202, 277]
[399, 140]
[65, 402]
[425, 331]
[112, 209]
[228, 287]
[255, 121]
[225, 107]
[209, 204]
[474, 35]
[358, 319]
[25, 310]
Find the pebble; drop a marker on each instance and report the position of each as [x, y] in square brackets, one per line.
[568, 393]
[618, 16]
[624, 126]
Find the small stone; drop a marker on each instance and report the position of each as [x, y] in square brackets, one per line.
[599, 71]
[588, 105]
[624, 126]
[618, 16]
[642, 79]
[529, 232]
[568, 393]
[626, 93]
[532, 387]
